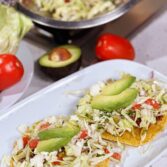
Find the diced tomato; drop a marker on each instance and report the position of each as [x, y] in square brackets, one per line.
[116, 156]
[153, 103]
[136, 106]
[56, 163]
[44, 126]
[106, 151]
[83, 134]
[33, 143]
[25, 140]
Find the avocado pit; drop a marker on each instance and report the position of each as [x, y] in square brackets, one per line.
[59, 54]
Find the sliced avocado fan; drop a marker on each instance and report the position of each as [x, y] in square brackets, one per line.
[52, 144]
[118, 86]
[115, 102]
[62, 132]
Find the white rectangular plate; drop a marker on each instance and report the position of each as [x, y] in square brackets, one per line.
[54, 100]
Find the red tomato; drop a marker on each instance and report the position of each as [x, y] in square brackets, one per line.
[11, 70]
[116, 156]
[33, 143]
[111, 46]
[83, 134]
[153, 103]
[25, 140]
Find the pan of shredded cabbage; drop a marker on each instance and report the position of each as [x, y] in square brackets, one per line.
[74, 14]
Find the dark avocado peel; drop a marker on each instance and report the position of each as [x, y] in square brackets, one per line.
[115, 102]
[61, 61]
[118, 86]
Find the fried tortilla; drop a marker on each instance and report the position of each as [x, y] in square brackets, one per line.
[133, 138]
[105, 163]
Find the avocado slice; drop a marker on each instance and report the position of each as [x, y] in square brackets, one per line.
[119, 85]
[61, 61]
[68, 131]
[110, 103]
[52, 144]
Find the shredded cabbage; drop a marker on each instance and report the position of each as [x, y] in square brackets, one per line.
[75, 10]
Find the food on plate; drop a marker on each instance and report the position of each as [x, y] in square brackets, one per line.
[110, 46]
[134, 138]
[111, 103]
[114, 88]
[11, 70]
[61, 61]
[133, 118]
[75, 10]
[13, 27]
[62, 141]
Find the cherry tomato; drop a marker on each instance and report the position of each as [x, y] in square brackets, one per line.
[33, 143]
[153, 103]
[83, 134]
[11, 70]
[111, 46]
[116, 156]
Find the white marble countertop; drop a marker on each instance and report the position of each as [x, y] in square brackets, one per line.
[150, 42]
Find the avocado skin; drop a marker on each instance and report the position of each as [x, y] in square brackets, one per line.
[63, 132]
[115, 102]
[57, 72]
[52, 144]
[119, 85]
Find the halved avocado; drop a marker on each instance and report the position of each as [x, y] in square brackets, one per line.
[61, 61]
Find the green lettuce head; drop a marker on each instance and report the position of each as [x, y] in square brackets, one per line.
[13, 27]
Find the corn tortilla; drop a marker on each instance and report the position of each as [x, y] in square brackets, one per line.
[105, 163]
[133, 138]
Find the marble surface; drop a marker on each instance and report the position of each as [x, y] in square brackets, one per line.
[150, 42]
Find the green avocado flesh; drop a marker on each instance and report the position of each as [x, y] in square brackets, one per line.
[52, 144]
[115, 102]
[75, 55]
[119, 85]
[67, 132]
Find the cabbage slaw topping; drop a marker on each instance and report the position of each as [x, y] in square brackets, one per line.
[149, 106]
[75, 10]
[85, 149]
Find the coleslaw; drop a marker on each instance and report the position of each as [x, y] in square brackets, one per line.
[149, 106]
[75, 10]
[85, 149]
